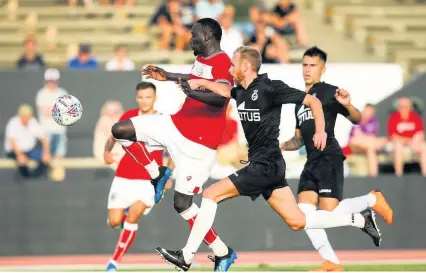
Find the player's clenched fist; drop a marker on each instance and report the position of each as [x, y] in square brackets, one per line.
[154, 72]
[343, 96]
[320, 140]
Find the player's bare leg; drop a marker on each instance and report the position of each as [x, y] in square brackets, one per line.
[124, 132]
[222, 190]
[308, 201]
[128, 234]
[116, 217]
[283, 202]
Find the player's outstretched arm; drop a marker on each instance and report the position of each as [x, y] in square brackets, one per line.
[222, 89]
[159, 74]
[320, 137]
[205, 96]
[295, 143]
[349, 111]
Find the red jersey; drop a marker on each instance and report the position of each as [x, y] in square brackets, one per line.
[230, 133]
[405, 127]
[128, 167]
[198, 121]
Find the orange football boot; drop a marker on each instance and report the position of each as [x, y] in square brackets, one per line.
[382, 206]
[328, 266]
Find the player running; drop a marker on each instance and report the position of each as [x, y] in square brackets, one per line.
[192, 135]
[322, 178]
[131, 194]
[259, 101]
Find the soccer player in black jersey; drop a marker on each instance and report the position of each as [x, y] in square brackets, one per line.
[322, 178]
[259, 102]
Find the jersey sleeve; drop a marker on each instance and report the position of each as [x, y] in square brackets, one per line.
[126, 115]
[297, 121]
[392, 124]
[340, 109]
[419, 124]
[285, 94]
[220, 71]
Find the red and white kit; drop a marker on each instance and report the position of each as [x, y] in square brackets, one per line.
[132, 182]
[192, 135]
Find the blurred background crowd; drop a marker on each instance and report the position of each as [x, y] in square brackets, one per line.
[124, 35]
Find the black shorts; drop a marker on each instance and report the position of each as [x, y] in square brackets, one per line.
[260, 177]
[324, 176]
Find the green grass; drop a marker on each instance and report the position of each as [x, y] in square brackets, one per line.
[366, 267]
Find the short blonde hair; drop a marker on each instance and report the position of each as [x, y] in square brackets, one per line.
[25, 110]
[251, 55]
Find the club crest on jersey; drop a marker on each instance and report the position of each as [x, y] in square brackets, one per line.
[202, 70]
[188, 178]
[254, 96]
[112, 196]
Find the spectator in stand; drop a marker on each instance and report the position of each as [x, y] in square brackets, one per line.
[84, 59]
[182, 26]
[120, 61]
[74, 3]
[110, 113]
[31, 60]
[364, 138]
[406, 131]
[270, 44]
[165, 17]
[118, 3]
[231, 36]
[45, 99]
[287, 20]
[209, 9]
[24, 140]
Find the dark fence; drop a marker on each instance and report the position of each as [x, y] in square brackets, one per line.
[41, 217]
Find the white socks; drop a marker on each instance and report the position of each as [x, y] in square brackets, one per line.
[218, 247]
[326, 219]
[357, 204]
[129, 226]
[319, 238]
[203, 223]
[152, 169]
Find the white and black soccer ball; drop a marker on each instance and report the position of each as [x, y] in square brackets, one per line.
[67, 110]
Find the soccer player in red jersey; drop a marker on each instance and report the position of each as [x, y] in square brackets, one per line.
[192, 135]
[131, 194]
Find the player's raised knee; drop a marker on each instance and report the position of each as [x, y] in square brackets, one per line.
[115, 221]
[123, 130]
[117, 130]
[296, 225]
[182, 202]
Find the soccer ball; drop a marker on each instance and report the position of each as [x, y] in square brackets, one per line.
[67, 110]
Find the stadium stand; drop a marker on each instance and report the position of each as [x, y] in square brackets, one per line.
[394, 31]
[103, 27]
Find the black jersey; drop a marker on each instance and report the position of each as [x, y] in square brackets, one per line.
[331, 107]
[259, 108]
